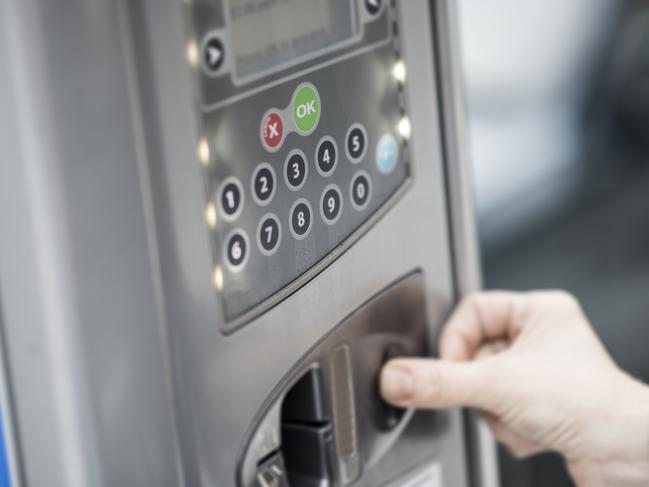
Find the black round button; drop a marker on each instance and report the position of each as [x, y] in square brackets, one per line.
[295, 170]
[361, 189]
[231, 199]
[263, 184]
[237, 250]
[213, 54]
[301, 219]
[269, 234]
[373, 6]
[356, 143]
[326, 156]
[331, 204]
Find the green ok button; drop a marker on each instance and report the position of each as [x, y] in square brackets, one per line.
[305, 108]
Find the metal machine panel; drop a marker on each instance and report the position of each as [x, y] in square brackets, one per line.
[126, 363]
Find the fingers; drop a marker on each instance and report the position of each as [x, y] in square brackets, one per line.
[480, 317]
[433, 384]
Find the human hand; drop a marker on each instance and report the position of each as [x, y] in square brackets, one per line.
[532, 365]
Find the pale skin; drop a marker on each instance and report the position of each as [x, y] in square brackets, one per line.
[533, 367]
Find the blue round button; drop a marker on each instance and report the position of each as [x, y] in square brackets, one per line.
[387, 154]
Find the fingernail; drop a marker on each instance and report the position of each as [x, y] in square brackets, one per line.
[453, 348]
[396, 384]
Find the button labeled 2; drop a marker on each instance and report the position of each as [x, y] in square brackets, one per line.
[263, 184]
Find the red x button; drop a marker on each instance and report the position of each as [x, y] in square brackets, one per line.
[272, 131]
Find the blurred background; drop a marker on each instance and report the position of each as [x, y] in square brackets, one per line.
[558, 97]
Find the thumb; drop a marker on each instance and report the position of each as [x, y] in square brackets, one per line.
[438, 384]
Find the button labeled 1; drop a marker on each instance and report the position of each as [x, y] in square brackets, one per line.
[230, 198]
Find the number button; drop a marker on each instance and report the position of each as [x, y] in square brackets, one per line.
[331, 204]
[361, 190]
[326, 156]
[295, 170]
[263, 184]
[269, 234]
[356, 143]
[230, 197]
[236, 250]
[301, 219]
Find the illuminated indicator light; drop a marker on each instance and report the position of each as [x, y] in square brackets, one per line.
[204, 152]
[210, 215]
[217, 278]
[405, 128]
[192, 53]
[399, 71]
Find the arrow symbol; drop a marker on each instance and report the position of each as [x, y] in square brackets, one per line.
[214, 55]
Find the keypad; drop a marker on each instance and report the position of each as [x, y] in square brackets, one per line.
[297, 192]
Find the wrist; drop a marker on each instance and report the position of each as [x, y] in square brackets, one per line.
[617, 448]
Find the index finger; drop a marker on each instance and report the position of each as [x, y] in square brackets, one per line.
[479, 318]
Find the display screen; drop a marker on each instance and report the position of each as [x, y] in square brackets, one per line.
[270, 34]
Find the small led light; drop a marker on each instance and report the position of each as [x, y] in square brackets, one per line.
[204, 152]
[405, 128]
[192, 53]
[210, 215]
[217, 278]
[399, 71]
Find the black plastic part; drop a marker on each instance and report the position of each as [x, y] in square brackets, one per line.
[307, 454]
[305, 403]
[392, 415]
